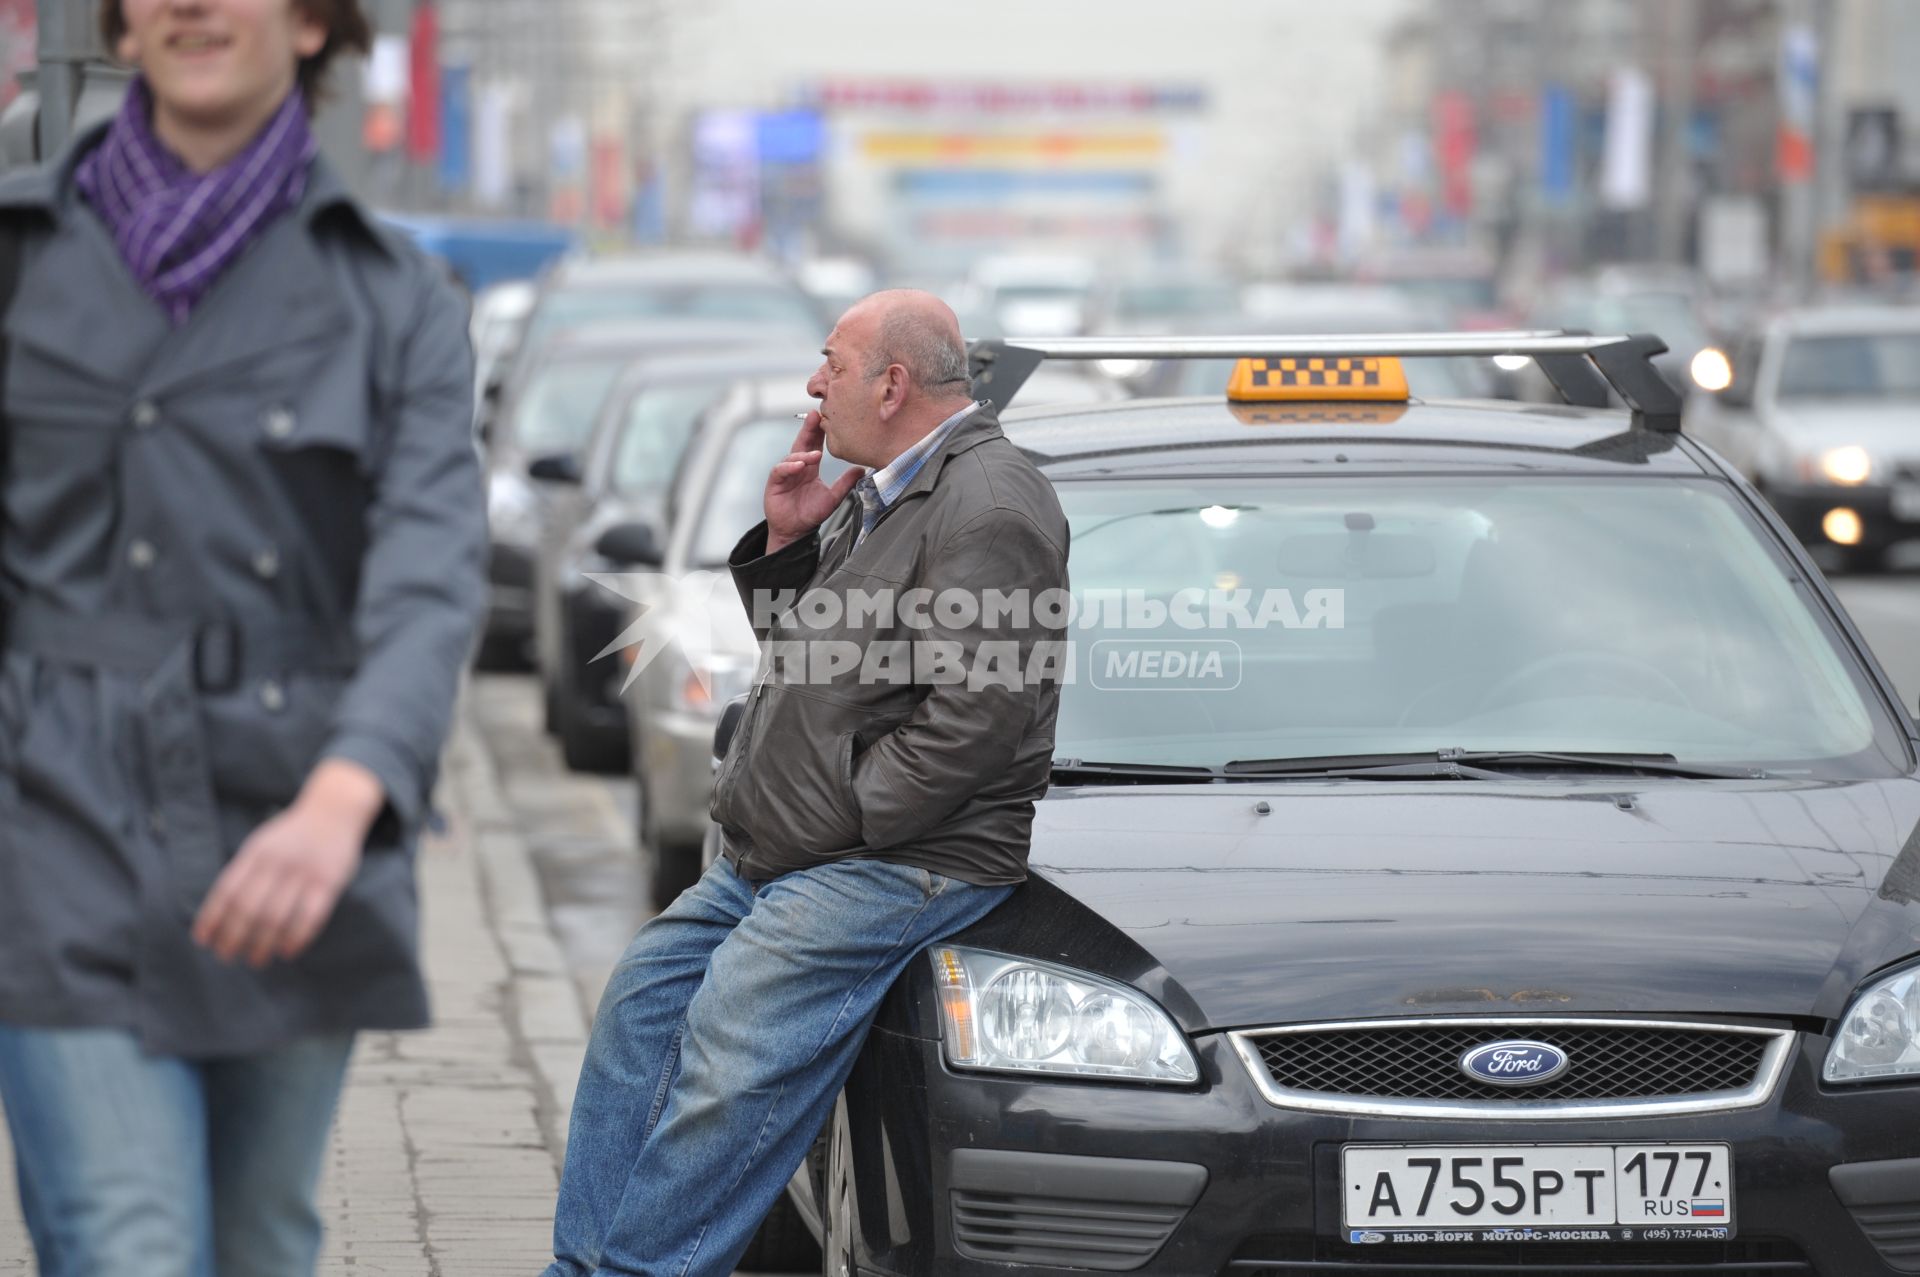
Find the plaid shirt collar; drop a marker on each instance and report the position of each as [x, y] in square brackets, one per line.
[882, 487]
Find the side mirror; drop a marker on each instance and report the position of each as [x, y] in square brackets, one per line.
[630, 543]
[729, 724]
[555, 467]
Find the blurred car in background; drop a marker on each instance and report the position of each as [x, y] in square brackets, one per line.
[1286, 309]
[549, 409]
[1461, 284]
[671, 284]
[495, 326]
[480, 252]
[1822, 414]
[1032, 294]
[1159, 300]
[1664, 302]
[621, 475]
[835, 283]
[690, 667]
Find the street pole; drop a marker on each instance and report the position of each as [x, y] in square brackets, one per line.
[1829, 169]
[67, 43]
[1674, 199]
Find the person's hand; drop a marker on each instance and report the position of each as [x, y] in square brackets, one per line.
[282, 885]
[796, 501]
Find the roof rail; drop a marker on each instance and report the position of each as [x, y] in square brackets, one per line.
[1584, 368]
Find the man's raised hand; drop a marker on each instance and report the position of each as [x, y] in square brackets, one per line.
[796, 501]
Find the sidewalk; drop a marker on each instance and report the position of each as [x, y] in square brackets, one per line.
[444, 1160]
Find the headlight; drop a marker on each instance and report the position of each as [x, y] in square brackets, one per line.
[1877, 1039]
[1015, 1015]
[1121, 369]
[706, 686]
[1511, 363]
[1711, 370]
[513, 511]
[1849, 465]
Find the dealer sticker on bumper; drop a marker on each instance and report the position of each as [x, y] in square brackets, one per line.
[1537, 1192]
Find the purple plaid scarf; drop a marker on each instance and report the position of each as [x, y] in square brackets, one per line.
[177, 229]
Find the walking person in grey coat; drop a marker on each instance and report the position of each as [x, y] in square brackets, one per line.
[241, 563]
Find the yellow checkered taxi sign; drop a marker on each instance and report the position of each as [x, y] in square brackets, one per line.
[1318, 380]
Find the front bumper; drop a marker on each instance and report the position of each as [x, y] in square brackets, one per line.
[509, 592]
[1271, 1204]
[1803, 507]
[677, 754]
[594, 619]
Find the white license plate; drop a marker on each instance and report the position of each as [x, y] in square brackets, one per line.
[1905, 502]
[1633, 1186]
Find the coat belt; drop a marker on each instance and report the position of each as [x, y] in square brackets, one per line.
[225, 651]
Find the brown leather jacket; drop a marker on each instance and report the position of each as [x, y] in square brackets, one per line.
[932, 747]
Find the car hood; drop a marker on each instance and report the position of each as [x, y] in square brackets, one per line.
[1763, 898]
[1883, 429]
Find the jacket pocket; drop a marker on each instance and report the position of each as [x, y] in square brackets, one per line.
[792, 793]
[264, 737]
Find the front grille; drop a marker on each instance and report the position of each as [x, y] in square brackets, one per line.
[1609, 1062]
[1065, 1232]
[1738, 1257]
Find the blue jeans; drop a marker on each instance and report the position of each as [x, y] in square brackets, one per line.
[724, 1035]
[132, 1163]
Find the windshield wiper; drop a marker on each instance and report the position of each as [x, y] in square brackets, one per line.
[1073, 771]
[1424, 766]
[1656, 764]
[1483, 763]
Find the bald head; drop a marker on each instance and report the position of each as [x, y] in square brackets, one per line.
[919, 332]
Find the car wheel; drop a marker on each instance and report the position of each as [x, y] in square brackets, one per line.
[783, 1243]
[838, 1220]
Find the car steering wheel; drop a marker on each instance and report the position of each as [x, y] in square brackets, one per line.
[1615, 669]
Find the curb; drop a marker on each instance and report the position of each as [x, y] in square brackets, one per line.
[542, 1010]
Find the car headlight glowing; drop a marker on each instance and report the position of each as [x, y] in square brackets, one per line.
[707, 685]
[1848, 465]
[1711, 370]
[1878, 1039]
[1121, 369]
[1015, 1015]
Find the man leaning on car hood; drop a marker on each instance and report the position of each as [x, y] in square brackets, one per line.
[877, 797]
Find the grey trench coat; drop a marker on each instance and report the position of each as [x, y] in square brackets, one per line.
[228, 549]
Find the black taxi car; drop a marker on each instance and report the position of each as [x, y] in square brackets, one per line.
[1512, 871]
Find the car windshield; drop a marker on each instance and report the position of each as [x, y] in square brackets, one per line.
[659, 423]
[751, 304]
[1390, 616]
[1039, 293]
[734, 502]
[1670, 316]
[1151, 301]
[1468, 293]
[1884, 366]
[556, 411]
